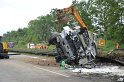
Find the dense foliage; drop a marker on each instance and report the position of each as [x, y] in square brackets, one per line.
[106, 17]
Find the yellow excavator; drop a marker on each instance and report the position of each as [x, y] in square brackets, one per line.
[3, 49]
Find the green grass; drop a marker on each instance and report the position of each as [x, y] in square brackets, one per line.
[51, 47]
[110, 45]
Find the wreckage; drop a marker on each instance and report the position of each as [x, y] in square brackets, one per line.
[76, 46]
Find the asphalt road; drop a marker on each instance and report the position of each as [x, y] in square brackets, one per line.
[13, 70]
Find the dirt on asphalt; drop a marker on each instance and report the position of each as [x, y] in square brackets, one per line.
[50, 61]
[40, 60]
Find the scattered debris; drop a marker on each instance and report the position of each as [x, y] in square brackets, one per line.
[121, 79]
[110, 70]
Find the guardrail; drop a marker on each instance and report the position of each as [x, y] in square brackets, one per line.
[45, 52]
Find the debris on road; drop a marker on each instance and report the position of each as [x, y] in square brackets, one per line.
[110, 70]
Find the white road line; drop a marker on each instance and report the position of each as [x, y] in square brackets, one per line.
[51, 71]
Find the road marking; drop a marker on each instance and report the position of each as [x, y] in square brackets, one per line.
[34, 57]
[51, 71]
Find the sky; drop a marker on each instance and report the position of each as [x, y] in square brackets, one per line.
[15, 14]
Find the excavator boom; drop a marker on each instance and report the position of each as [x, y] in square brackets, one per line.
[72, 10]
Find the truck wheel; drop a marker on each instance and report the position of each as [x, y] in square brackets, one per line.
[1, 48]
[52, 40]
[7, 57]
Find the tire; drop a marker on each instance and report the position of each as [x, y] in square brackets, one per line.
[6, 57]
[1, 48]
[53, 40]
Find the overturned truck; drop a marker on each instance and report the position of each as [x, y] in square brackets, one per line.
[75, 46]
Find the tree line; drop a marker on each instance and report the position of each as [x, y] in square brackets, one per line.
[105, 17]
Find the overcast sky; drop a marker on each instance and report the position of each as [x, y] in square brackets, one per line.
[16, 14]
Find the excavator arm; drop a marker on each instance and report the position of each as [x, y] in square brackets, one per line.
[72, 10]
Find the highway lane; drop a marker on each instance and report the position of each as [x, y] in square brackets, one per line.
[13, 70]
